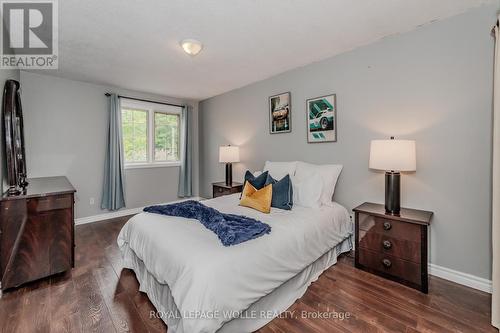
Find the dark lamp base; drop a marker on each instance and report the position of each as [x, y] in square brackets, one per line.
[392, 193]
[229, 174]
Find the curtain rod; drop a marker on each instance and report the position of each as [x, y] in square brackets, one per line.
[146, 100]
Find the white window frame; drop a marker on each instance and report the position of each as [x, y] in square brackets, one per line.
[151, 108]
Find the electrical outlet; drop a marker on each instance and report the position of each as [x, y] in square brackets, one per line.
[92, 201]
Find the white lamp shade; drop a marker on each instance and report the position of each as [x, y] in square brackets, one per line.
[229, 154]
[393, 155]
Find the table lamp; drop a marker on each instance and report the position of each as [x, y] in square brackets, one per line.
[393, 156]
[229, 155]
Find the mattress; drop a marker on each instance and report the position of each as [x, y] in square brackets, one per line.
[256, 316]
[210, 285]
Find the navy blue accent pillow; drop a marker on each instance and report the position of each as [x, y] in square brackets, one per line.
[257, 182]
[282, 192]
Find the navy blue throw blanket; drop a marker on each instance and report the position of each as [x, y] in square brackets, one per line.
[231, 229]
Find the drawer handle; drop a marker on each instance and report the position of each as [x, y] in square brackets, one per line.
[220, 189]
[387, 244]
[387, 226]
[387, 263]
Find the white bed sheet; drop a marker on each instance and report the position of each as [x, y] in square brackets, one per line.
[256, 316]
[207, 280]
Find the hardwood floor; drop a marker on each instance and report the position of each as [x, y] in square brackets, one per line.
[99, 296]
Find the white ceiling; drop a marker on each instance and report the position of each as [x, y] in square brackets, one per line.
[134, 44]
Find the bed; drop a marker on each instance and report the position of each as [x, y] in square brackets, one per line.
[198, 285]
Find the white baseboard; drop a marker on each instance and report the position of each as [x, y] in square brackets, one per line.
[465, 279]
[120, 213]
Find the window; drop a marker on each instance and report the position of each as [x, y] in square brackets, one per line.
[166, 137]
[151, 134]
[135, 135]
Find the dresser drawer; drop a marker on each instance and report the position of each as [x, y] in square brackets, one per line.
[390, 265]
[379, 242]
[49, 203]
[386, 227]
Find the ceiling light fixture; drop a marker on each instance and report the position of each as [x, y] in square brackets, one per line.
[191, 46]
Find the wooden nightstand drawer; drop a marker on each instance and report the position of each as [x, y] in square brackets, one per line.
[393, 246]
[387, 227]
[220, 189]
[400, 248]
[390, 265]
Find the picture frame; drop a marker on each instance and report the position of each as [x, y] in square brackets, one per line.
[321, 119]
[280, 113]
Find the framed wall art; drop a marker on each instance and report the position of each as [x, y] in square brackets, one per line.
[280, 115]
[322, 119]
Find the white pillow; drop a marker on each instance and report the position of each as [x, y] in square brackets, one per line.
[307, 191]
[329, 173]
[278, 170]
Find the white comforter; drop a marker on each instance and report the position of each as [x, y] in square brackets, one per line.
[207, 279]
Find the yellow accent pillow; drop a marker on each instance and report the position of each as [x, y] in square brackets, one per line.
[257, 199]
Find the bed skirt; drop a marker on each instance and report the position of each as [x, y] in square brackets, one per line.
[256, 316]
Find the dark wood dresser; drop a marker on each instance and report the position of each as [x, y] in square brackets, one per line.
[37, 231]
[220, 189]
[393, 246]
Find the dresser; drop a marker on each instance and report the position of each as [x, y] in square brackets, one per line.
[220, 188]
[37, 231]
[393, 246]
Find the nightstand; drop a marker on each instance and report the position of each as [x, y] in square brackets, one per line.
[220, 189]
[393, 246]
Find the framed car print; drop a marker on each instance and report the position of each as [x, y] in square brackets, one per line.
[280, 113]
[322, 119]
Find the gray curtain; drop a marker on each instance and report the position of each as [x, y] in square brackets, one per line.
[185, 179]
[113, 193]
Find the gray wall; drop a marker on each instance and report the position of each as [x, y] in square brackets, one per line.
[5, 74]
[433, 84]
[65, 130]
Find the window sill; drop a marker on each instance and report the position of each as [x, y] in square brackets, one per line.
[152, 165]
